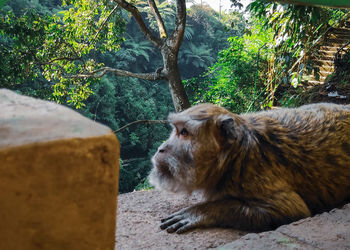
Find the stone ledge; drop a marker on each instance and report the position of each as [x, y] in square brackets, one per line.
[58, 177]
[139, 215]
[324, 231]
[25, 120]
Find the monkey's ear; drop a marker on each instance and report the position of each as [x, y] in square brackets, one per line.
[227, 128]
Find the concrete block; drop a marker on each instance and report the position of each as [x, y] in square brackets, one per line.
[58, 177]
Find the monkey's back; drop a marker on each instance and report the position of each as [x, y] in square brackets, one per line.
[314, 154]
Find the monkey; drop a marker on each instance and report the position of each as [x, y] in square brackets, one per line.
[256, 171]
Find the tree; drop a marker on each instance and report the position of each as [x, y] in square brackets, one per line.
[68, 44]
[237, 80]
[58, 47]
[168, 45]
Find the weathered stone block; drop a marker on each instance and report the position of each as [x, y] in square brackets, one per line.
[58, 177]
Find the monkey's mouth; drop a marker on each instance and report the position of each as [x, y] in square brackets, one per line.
[163, 169]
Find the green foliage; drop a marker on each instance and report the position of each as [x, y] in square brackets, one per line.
[59, 47]
[19, 39]
[119, 101]
[166, 10]
[237, 81]
[144, 185]
[84, 27]
[297, 29]
[101, 106]
[140, 100]
[205, 36]
[199, 56]
[2, 3]
[136, 50]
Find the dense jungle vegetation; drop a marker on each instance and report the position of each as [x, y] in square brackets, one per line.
[67, 51]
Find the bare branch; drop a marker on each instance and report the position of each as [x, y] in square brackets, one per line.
[141, 121]
[180, 24]
[156, 14]
[136, 14]
[119, 72]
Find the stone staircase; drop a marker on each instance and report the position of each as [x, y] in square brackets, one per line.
[324, 59]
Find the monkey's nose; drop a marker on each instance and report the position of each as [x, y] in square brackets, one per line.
[162, 148]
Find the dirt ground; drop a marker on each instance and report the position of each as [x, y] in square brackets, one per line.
[139, 215]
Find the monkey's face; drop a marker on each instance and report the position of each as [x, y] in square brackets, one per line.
[193, 154]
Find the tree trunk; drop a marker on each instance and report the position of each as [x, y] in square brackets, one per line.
[177, 90]
[173, 76]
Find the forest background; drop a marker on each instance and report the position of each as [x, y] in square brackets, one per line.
[243, 59]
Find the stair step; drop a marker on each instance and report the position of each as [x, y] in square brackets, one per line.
[326, 57]
[313, 78]
[325, 68]
[337, 43]
[322, 74]
[338, 35]
[325, 73]
[336, 38]
[343, 33]
[324, 52]
[329, 48]
[323, 62]
[312, 82]
[339, 28]
[320, 78]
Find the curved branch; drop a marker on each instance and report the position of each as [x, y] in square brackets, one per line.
[136, 14]
[141, 121]
[124, 73]
[156, 14]
[180, 24]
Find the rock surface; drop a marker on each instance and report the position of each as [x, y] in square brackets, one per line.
[58, 177]
[25, 120]
[139, 215]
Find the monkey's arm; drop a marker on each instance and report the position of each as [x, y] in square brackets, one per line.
[260, 214]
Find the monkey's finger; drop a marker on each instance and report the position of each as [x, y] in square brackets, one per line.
[173, 220]
[185, 228]
[172, 216]
[166, 219]
[176, 226]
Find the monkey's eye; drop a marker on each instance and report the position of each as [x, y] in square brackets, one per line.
[184, 132]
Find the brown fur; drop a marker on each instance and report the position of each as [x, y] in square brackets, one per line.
[258, 170]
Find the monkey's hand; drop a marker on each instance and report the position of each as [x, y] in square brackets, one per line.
[186, 219]
[276, 209]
